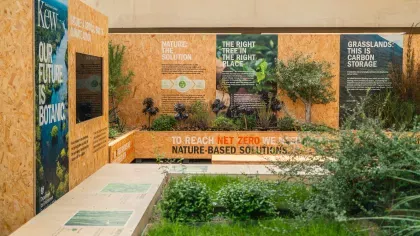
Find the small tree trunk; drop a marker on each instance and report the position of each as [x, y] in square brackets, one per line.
[308, 106]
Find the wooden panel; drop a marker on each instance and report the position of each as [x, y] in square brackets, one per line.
[321, 47]
[16, 115]
[144, 52]
[94, 131]
[150, 144]
[144, 57]
[121, 150]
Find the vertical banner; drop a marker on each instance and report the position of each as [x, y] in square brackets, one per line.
[365, 64]
[245, 65]
[51, 101]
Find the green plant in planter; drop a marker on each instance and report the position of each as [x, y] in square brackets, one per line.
[265, 117]
[251, 199]
[164, 123]
[200, 117]
[246, 122]
[186, 201]
[119, 83]
[286, 123]
[149, 108]
[218, 106]
[307, 80]
[223, 123]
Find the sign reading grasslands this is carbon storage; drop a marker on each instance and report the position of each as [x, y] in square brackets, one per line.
[245, 65]
[365, 64]
[51, 101]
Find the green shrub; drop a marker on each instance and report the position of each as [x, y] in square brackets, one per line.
[164, 123]
[286, 123]
[186, 201]
[113, 132]
[315, 127]
[223, 123]
[250, 199]
[199, 115]
[246, 122]
[362, 175]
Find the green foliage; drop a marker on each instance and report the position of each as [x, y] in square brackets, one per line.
[250, 199]
[186, 201]
[54, 132]
[265, 117]
[361, 181]
[119, 80]
[272, 227]
[307, 80]
[113, 132]
[286, 123]
[164, 123]
[223, 123]
[63, 153]
[246, 122]
[315, 127]
[394, 112]
[199, 115]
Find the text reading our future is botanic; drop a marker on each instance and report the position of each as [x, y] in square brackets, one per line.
[48, 72]
[231, 145]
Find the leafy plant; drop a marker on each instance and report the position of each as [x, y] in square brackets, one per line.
[181, 112]
[307, 80]
[164, 123]
[149, 108]
[223, 123]
[218, 106]
[286, 123]
[119, 82]
[200, 117]
[246, 122]
[265, 117]
[186, 201]
[250, 199]
[362, 167]
[113, 132]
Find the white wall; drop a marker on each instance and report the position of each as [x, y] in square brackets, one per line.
[258, 13]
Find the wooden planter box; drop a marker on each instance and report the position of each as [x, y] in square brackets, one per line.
[205, 144]
[121, 149]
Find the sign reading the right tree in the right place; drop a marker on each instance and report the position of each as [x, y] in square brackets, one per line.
[365, 64]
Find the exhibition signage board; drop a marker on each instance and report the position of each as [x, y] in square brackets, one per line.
[51, 101]
[366, 61]
[244, 69]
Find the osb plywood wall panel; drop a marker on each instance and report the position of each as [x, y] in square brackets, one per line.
[94, 131]
[149, 144]
[319, 47]
[121, 150]
[16, 115]
[144, 57]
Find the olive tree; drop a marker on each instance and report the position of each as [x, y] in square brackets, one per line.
[305, 79]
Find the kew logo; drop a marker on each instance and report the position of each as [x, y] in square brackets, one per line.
[47, 19]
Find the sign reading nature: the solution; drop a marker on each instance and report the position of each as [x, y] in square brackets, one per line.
[366, 60]
[51, 101]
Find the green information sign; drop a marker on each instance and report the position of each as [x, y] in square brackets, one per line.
[100, 218]
[126, 188]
